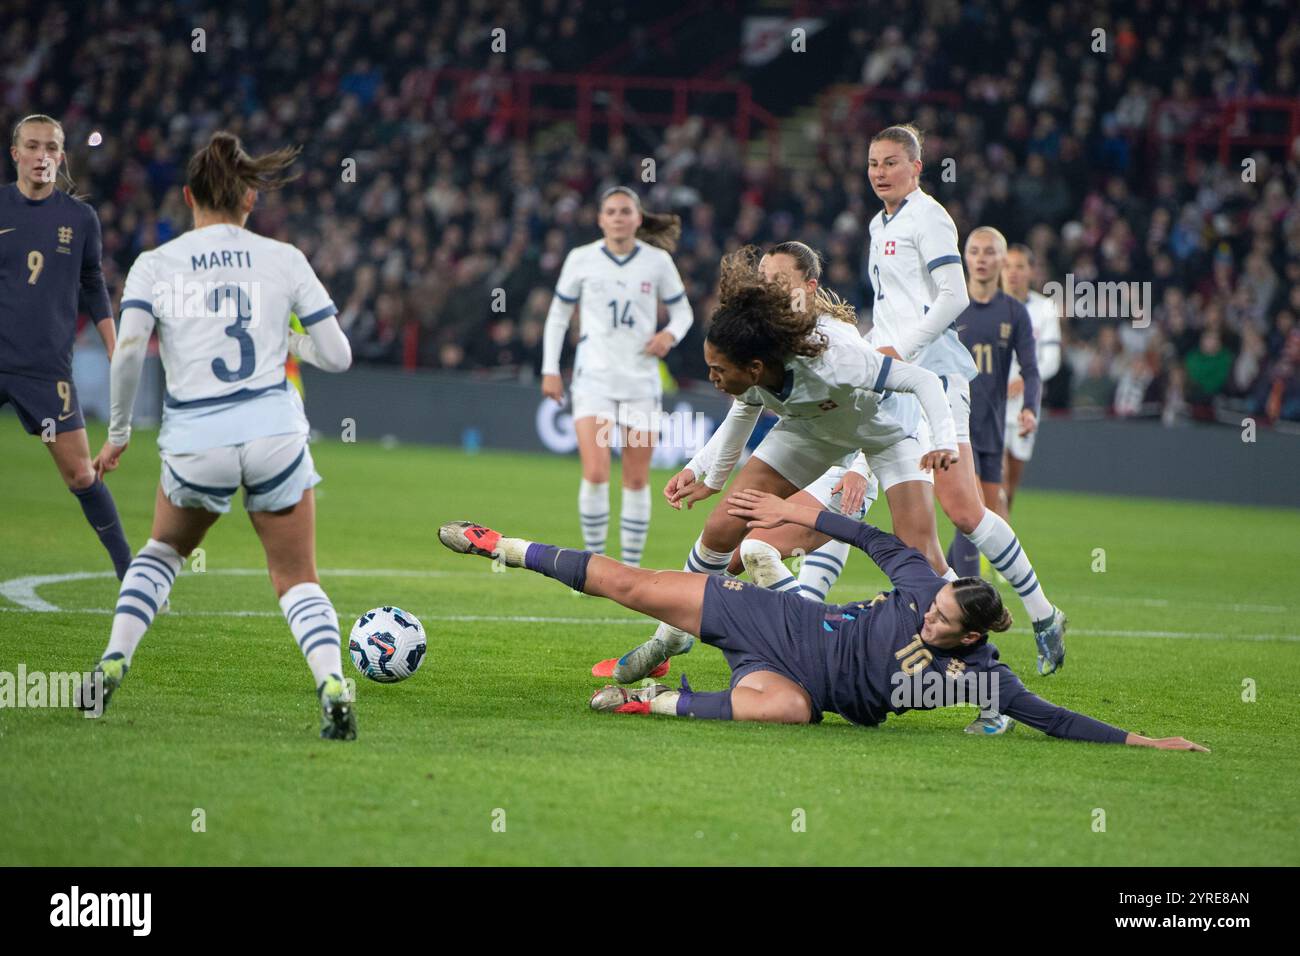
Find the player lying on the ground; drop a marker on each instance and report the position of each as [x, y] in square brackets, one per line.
[792, 659]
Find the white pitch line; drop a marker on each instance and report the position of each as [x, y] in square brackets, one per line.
[1195, 635]
[22, 591]
[644, 622]
[1165, 602]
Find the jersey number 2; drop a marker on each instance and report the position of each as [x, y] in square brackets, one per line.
[237, 330]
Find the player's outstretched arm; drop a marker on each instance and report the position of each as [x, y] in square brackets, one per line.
[925, 385]
[1055, 721]
[684, 488]
[709, 470]
[1165, 743]
[903, 565]
[761, 509]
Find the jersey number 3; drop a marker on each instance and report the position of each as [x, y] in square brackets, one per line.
[237, 330]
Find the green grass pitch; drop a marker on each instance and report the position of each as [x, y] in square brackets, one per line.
[218, 713]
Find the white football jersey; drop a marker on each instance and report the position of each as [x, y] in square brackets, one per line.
[618, 307]
[1045, 319]
[905, 248]
[221, 298]
[836, 395]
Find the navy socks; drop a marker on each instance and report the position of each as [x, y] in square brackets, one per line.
[99, 509]
[704, 704]
[964, 557]
[563, 564]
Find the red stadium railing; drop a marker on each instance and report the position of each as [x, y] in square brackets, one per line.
[515, 102]
[1223, 125]
[839, 109]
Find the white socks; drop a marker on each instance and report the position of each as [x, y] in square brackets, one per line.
[763, 562]
[822, 568]
[315, 627]
[593, 512]
[634, 522]
[701, 560]
[145, 586]
[665, 704]
[998, 543]
[950, 574]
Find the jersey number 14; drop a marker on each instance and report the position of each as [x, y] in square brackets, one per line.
[621, 319]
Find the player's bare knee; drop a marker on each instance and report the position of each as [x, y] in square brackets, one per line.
[80, 478]
[966, 517]
[790, 707]
[722, 532]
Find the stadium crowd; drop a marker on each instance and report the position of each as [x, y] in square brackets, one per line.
[1072, 152]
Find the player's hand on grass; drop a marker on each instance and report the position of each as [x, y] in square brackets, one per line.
[660, 345]
[1028, 423]
[1165, 743]
[553, 388]
[939, 458]
[760, 508]
[683, 487]
[107, 459]
[853, 488]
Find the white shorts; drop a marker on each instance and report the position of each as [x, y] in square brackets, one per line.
[1019, 448]
[639, 414]
[821, 490]
[901, 461]
[798, 457]
[275, 472]
[802, 459]
[958, 391]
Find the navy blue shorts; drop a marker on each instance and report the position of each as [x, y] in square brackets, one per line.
[988, 466]
[40, 400]
[761, 630]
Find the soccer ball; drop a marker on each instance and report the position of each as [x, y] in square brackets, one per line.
[387, 644]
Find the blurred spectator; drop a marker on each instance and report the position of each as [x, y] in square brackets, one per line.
[1074, 153]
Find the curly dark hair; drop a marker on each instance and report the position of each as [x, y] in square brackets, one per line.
[756, 319]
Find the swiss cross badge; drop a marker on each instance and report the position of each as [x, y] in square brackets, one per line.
[889, 247]
[827, 405]
[645, 288]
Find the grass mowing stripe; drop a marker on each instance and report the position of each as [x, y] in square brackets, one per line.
[218, 710]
